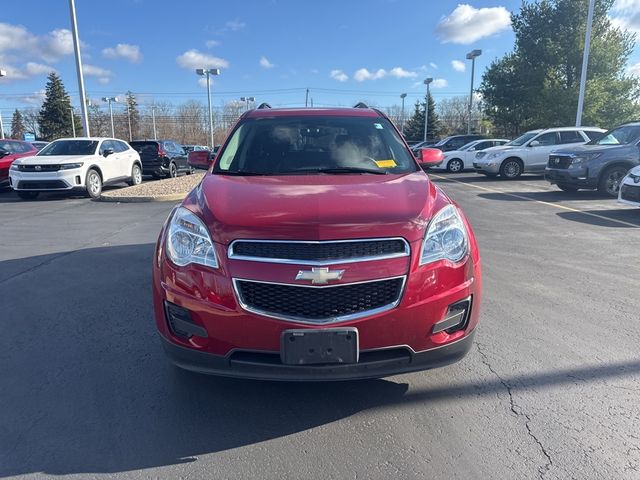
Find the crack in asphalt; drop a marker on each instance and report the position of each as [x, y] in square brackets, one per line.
[516, 410]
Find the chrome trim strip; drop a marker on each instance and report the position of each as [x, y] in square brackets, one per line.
[319, 263]
[324, 321]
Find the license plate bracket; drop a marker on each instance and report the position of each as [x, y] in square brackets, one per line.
[313, 347]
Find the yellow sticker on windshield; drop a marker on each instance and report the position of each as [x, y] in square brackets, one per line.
[386, 163]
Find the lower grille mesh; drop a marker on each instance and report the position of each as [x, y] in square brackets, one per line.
[318, 304]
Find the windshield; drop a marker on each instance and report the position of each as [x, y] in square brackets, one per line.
[69, 147]
[314, 145]
[619, 136]
[468, 145]
[443, 141]
[521, 140]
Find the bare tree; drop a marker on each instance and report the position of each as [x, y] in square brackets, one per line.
[30, 118]
[454, 115]
[99, 123]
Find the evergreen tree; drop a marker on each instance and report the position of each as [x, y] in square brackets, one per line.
[17, 125]
[537, 84]
[55, 114]
[134, 114]
[414, 129]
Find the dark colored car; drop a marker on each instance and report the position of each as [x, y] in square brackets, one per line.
[454, 142]
[600, 164]
[162, 158]
[316, 249]
[10, 150]
[202, 159]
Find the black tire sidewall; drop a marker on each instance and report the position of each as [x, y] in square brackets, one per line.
[89, 173]
[173, 168]
[602, 184]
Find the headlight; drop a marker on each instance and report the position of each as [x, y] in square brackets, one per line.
[580, 160]
[494, 155]
[188, 240]
[70, 166]
[14, 167]
[446, 237]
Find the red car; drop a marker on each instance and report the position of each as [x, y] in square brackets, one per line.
[316, 249]
[9, 151]
[202, 158]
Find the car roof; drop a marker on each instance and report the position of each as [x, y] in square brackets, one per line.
[93, 139]
[312, 112]
[564, 129]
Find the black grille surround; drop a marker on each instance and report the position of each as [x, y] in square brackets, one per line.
[326, 252]
[319, 305]
[630, 193]
[38, 168]
[42, 185]
[559, 161]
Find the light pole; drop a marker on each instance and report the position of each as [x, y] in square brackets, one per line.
[402, 96]
[109, 100]
[129, 99]
[207, 72]
[73, 122]
[3, 73]
[472, 56]
[76, 48]
[427, 82]
[585, 62]
[153, 119]
[247, 100]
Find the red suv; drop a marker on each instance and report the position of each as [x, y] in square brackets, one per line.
[316, 249]
[11, 150]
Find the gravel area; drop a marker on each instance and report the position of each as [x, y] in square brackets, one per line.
[169, 189]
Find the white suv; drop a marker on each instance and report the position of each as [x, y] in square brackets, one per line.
[76, 164]
[529, 153]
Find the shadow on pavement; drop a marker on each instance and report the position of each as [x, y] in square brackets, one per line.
[86, 388]
[612, 217]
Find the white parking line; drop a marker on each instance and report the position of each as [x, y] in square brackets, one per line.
[556, 205]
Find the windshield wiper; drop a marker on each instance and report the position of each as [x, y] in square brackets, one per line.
[338, 170]
[239, 173]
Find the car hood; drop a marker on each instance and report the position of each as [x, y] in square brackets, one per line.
[590, 148]
[500, 148]
[318, 207]
[635, 171]
[55, 159]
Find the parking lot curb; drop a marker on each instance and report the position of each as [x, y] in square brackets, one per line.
[158, 198]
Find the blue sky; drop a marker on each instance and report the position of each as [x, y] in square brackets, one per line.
[343, 51]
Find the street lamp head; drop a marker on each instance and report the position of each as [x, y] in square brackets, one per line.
[110, 99]
[473, 54]
[251, 99]
[3, 73]
[428, 80]
[200, 71]
[208, 71]
[403, 95]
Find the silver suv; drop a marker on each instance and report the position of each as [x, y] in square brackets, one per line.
[529, 153]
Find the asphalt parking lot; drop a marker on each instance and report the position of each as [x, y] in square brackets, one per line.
[550, 389]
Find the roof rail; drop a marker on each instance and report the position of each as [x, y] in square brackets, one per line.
[361, 105]
[263, 105]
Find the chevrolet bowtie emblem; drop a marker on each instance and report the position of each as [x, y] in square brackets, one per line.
[319, 276]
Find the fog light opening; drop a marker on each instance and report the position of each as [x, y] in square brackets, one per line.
[180, 323]
[456, 317]
[78, 181]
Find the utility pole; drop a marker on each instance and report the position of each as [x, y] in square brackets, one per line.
[402, 96]
[3, 73]
[585, 62]
[153, 117]
[73, 122]
[129, 118]
[427, 82]
[76, 48]
[306, 98]
[111, 99]
[207, 72]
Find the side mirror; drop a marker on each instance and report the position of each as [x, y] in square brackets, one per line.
[535, 143]
[3, 153]
[430, 157]
[107, 152]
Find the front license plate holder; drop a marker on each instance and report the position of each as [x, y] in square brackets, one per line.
[314, 347]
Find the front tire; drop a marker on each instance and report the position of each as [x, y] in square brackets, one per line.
[93, 183]
[511, 168]
[136, 175]
[455, 165]
[610, 181]
[28, 195]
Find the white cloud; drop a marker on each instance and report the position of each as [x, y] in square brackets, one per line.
[363, 74]
[234, 25]
[192, 59]
[33, 69]
[339, 75]
[50, 47]
[439, 83]
[399, 72]
[212, 43]
[124, 50]
[626, 14]
[57, 44]
[103, 75]
[265, 63]
[458, 66]
[16, 37]
[433, 65]
[634, 69]
[466, 24]
[34, 99]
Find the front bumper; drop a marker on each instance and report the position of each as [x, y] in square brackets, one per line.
[60, 181]
[267, 366]
[629, 193]
[487, 167]
[577, 178]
